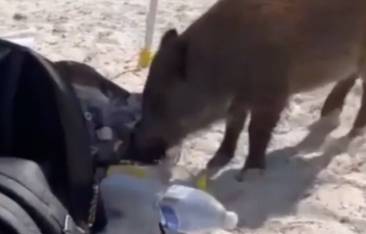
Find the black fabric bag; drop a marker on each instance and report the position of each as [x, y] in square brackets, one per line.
[41, 120]
[48, 173]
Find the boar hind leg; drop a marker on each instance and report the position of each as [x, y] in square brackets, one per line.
[234, 124]
[335, 100]
[330, 113]
[360, 122]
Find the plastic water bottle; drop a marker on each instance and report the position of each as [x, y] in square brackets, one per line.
[189, 210]
[138, 205]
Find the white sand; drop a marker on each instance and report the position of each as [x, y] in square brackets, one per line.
[310, 193]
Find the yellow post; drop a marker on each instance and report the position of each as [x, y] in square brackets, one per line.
[146, 55]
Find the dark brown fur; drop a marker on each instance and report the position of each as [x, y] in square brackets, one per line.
[247, 56]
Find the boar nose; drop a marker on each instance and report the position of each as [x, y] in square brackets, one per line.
[133, 151]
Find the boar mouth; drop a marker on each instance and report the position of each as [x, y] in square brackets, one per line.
[132, 153]
[155, 152]
[153, 155]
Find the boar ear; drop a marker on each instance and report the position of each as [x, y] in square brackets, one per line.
[181, 53]
[176, 51]
[170, 36]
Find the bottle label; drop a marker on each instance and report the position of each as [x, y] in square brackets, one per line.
[169, 218]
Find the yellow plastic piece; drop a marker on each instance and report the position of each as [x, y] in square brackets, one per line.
[202, 182]
[145, 59]
[135, 171]
[127, 169]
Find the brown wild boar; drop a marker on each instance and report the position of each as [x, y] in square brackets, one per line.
[248, 56]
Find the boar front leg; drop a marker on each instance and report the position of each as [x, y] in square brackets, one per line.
[268, 97]
[234, 124]
[263, 121]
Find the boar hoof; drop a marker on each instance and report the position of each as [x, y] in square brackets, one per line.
[219, 161]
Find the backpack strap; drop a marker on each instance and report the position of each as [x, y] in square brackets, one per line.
[13, 218]
[23, 181]
[79, 160]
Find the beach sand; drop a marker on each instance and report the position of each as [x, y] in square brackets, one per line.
[313, 191]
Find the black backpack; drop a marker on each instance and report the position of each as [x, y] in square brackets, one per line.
[49, 174]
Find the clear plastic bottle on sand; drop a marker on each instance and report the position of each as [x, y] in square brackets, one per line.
[189, 210]
[138, 205]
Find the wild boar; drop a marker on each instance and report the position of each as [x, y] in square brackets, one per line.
[247, 56]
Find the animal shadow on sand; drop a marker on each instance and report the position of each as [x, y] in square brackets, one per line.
[289, 177]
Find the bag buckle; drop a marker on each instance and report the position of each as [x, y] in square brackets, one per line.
[71, 228]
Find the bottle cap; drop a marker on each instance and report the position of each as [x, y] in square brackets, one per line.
[231, 220]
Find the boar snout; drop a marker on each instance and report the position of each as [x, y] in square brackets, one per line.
[145, 148]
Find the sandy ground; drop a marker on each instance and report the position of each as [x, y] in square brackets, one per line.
[321, 192]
